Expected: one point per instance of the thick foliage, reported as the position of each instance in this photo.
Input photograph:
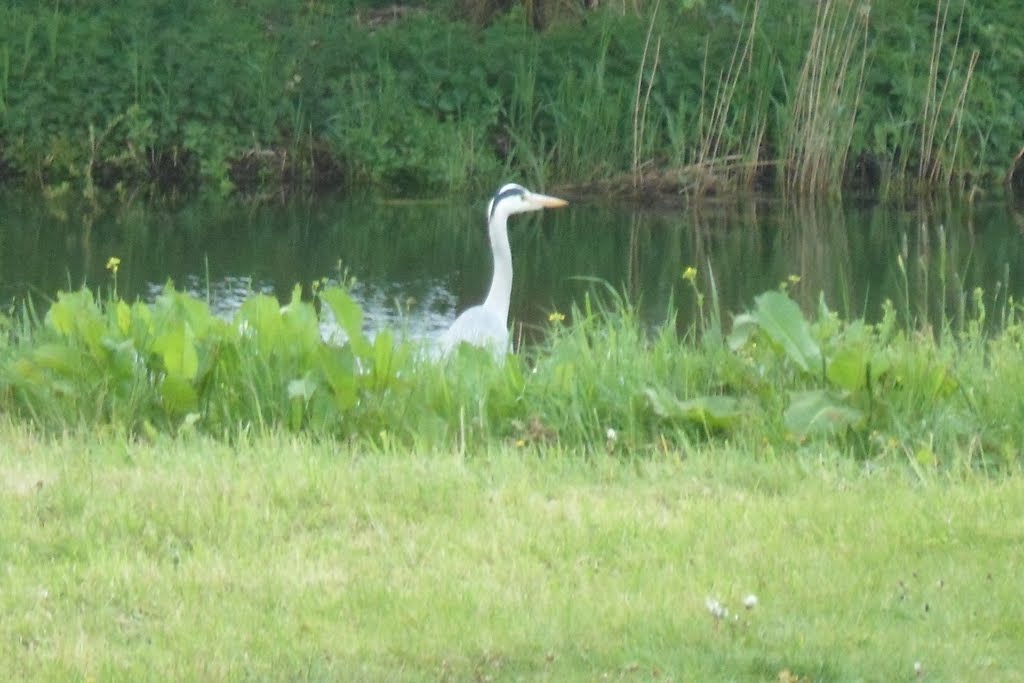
(258, 95)
(601, 382)
(174, 363)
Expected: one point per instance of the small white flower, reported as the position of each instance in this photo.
(750, 602)
(612, 434)
(918, 668)
(717, 609)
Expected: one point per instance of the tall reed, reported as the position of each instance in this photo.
(717, 150)
(824, 106)
(941, 119)
(640, 106)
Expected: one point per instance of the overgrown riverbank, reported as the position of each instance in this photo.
(687, 98)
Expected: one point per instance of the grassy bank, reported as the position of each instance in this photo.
(282, 558)
(784, 495)
(688, 98)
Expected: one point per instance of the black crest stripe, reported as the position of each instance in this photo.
(503, 195)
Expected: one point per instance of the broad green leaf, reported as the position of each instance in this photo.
(122, 358)
(178, 395)
(59, 358)
(301, 326)
(76, 316)
(93, 331)
(820, 412)
(63, 314)
(142, 326)
(848, 368)
(339, 368)
(173, 306)
(851, 366)
(177, 349)
(260, 316)
(744, 326)
(879, 365)
(349, 316)
(719, 412)
(123, 314)
(384, 358)
(302, 388)
(781, 320)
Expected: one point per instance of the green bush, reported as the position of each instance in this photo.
(228, 95)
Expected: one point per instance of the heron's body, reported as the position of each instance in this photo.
(486, 325)
(478, 326)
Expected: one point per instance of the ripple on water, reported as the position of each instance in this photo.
(417, 310)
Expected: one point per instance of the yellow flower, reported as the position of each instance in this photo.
(793, 279)
(690, 274)
(555, 317)
(113, 263)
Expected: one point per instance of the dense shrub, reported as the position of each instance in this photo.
(257, 95)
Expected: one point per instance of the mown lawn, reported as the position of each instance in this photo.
(282, 558)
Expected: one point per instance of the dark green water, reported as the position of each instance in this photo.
(418, 264)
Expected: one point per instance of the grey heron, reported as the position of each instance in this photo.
(486, 324)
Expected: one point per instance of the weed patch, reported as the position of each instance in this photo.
(600, 382)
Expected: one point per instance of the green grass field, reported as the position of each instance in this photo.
(286, 558)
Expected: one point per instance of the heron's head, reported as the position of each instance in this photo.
(514, 198)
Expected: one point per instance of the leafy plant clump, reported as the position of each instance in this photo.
(173, 363)
(778, 381)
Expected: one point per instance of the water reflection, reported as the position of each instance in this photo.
(416, 264)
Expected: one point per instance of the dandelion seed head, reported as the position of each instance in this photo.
(716, 608)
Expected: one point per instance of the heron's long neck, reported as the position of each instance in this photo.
(501, 285)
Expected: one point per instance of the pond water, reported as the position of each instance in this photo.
(417, 264)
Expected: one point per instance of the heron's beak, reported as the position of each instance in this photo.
(544, 201)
